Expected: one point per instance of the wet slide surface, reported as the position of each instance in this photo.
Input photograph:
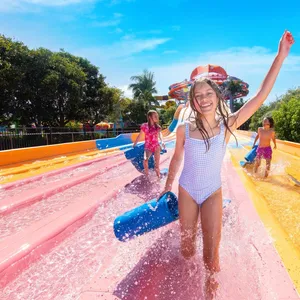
(86, 261)
(279, 190)
(33, 168)
(22, 170)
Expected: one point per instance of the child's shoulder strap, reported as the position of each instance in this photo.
(187, 129)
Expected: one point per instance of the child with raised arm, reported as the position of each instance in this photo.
(202, 142)
(152, 132)
(265, 134)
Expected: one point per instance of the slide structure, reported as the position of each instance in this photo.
(58, 204)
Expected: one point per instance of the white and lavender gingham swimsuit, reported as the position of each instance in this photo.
(201, 174)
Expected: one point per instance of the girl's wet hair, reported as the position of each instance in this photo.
(271, 121)
(150, 113)
(222, 111)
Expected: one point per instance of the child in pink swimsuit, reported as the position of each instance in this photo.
(152, 132)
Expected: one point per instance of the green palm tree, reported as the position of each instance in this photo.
(144, 85)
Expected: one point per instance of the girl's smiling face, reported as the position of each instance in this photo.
(205, 99)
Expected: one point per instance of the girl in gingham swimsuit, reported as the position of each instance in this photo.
(203, 141)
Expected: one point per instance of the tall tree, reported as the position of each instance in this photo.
(52, 88)
(14, 58)
(136, 112)
(66, 85)
(119, 109)
(98, 108)
(287, 116)
(98, 99)
(94, 79)
(144, 87)
(38, 91)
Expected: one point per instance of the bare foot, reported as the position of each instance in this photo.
(157, 173)
(211, 287)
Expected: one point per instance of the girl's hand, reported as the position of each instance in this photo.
(167, 188)
(275, 147)
(285, 44)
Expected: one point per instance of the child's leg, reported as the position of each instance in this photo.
(211, 222)
(147, 155)
(156, 160)
(188, 218)
(268, 167)
(257, 164)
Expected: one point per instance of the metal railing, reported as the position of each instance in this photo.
(23, 137)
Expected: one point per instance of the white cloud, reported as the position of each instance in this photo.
(29, 5)
(123, 48)
(52, 2)
(117, 62)
(248, 64)
(109, 23)
(11, 5)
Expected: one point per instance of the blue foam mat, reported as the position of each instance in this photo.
(136, 156)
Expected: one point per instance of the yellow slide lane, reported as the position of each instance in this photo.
(33, 168)
(276, 199)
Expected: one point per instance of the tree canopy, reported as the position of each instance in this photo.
(50, 88)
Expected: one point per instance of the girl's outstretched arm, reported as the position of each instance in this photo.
(249, 108)
(137, 138)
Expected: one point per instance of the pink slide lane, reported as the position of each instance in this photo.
(98, 184)
(151, 267)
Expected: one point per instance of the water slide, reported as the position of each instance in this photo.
(58, 204)
(23, 163)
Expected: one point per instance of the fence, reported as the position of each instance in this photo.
(23, 137)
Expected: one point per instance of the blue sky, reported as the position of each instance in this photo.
(170, 38)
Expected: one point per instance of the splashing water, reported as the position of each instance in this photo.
(24, 217)
(148, 267)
